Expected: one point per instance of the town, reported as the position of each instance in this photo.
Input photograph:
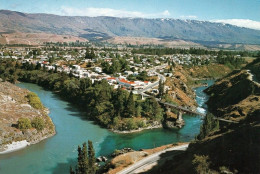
(120, 67)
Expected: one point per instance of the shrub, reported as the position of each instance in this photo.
(201, 164)
(140, 123)
(34, 100)
(131, 124)
(38, 123)
(24, 123)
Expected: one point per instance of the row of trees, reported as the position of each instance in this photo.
(195, 51)
(230, 60)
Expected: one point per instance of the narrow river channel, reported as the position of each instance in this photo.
(55, 154)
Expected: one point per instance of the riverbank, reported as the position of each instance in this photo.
(122, 162)
(137, 130)
(23, 118)
(14, 146)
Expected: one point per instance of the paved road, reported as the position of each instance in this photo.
(161, 77)
(154, 158)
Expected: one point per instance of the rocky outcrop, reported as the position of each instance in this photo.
(172, 121)
(235, 96)
(14, 106)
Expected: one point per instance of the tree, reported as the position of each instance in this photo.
(24, 123)
(91, 158)
(90, 54)
(209, 125)
(161, 89)
(130, 106)
(115, 67)
(86, 160)
(142, 76)
(201, 164)
(38, 123)
(38, 66)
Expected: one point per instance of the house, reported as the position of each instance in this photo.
(111, 80)
(125, 83)
(75, 67)
(128, 72)
(98, 69)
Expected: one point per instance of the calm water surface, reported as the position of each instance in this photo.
(55, 154)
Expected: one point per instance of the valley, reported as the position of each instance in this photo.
(124, 87)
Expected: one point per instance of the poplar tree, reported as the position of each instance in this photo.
(86, 160)
(130, 106)
(91, 158)
(161, 88)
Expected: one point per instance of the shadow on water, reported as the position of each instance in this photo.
(63, 167)
(137, 141)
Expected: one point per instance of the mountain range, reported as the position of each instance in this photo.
(107, 27)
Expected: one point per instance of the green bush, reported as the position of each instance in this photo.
(34, 100)
(201, 164)
(140, 123)
(24, 123)
(38, 123)
(131, 124)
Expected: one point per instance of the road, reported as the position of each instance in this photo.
(161, 77)
(154, 158)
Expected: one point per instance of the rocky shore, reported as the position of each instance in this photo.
(14, 106)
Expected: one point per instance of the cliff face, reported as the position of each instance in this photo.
(15, 107)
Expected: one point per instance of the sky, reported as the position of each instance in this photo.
(244, 13)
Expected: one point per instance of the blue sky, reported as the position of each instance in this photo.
(243, 12)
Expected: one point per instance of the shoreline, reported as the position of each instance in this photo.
(136, 130)
(14, 146)
(18, 145)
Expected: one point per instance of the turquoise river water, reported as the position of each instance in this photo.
(56, 154)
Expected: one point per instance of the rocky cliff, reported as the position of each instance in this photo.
(21, 118)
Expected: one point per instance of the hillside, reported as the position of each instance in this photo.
(22, 116)
(37, 38)
(236, 95)
(107, 27)
(226, 147)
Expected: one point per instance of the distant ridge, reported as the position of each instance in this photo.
(107, 27)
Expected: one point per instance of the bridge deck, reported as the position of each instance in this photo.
(182, 108)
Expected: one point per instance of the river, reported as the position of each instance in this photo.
(55, 154)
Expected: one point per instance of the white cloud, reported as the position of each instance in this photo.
(189, 17)
(70, 11)
(241, 23)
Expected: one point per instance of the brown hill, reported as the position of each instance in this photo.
(37, 38)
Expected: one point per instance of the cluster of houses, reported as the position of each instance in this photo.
(95, 72)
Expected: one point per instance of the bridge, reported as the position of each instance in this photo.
(225, 120)
(181, 109)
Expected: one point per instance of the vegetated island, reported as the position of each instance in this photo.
(23, 118)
